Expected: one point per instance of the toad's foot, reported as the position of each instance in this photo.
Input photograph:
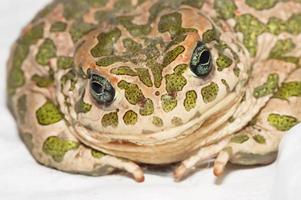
(127, 166)
(250, 147)
(204, 154)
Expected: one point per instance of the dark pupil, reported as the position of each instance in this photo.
(201, 61)
(97, 88)
(205, 57)
(101, 90)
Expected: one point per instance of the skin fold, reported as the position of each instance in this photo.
(103, 85)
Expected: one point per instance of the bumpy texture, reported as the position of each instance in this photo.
(99, 85)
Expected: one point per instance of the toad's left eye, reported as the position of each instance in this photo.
(101, 89)
(201, 61)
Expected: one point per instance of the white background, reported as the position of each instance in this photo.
(22, 178)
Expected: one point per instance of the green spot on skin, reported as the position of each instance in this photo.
(106, 41)
(157, 121)
(261, 4)
(123, 70)
(222, 46)
(132, 92)
(281, 48)
(46, 51)
(70, 76)
(172, 23)
(176, 121)
(211, 35)
(156, 70)
(97, 154)
(131, 45)
(57, 147)
(276, 26)
(193, 3)
(293, 25)
(78, 29)
(289, 89)
(176, 40)
(175, 82)
(259, 139)
(96, 3)
(190, 100)
(168, 102)
(134, 29)
(130, 118)
(269, 87)
(225, 9)
(123, 5)
(223, 62)
(64, 62)
(33, 35)
(102, 16)
(75, 9)
(42, 81)
(16, 77)
(253, 121)
(172, 55)
(107, 61)
(82, 107)
(155, 10)
(147, 108)
(282, 122)
(231, 119)
(210, 92)
(236, 71)
(251, 28)
(48, 114)
(22, 107)
(110, 119)
(144, 76)
(58, 27)
(240, 139)
(226, 85)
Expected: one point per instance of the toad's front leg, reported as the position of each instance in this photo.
(258, 142)
(49, 138)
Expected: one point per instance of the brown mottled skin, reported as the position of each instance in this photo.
(99, 85)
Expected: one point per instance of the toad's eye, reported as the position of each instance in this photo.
(101, 89)
(201, 64)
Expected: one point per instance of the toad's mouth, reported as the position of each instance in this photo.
(167, 146)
